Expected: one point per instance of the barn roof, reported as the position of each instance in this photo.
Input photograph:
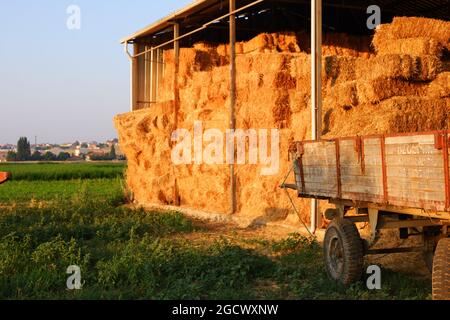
(201, 11)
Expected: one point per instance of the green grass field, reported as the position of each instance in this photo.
(47, 225)
(63, 171)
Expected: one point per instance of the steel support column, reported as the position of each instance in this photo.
(316, 88)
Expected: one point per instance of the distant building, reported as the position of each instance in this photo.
(93, 146)
(58, 150)
(3, 154)
(79, 151)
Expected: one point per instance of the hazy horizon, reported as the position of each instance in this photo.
(64, 85)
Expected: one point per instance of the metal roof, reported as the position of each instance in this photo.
(168, 21)
(205, 10)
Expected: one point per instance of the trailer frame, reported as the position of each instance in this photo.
(427, 218)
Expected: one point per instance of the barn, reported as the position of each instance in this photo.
(274, 71)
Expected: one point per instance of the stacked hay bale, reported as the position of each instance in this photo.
(405, 87)
(401, 86)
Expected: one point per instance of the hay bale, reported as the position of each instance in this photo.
(395, 66)
(350, 94)
(395, 115)
(300, 66)
(278, 62)
(201, 58)
(259, 44)
(244, 63)
(283, 80)
(413, 27)
(203, 46)
(340, 44)
(416, 114)
(374, 91)
(343, 95)
(340, 68)
(299, 101)
(286, 42)
(412, 46)
(427, 68)
(440, 88)
(274, 42)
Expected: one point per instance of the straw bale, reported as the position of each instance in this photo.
(286, 42)
(259, 44)
(340, 68)
(300, 66)
(413, 27)
(440, 88)
(397, 66)
(340, 44)
(395, 115)
(278, 62)
(275, 42)
(415, 114)
(343, 95)
(374, 91)
(244, 63)
(412, 46)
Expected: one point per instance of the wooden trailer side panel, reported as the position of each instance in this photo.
(415, 172)
(361, 169)
(409, 170)
(319, 169)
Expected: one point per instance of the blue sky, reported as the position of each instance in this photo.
(64, 85)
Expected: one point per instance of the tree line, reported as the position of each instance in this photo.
(23, 153)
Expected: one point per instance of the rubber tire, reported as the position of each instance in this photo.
(441, 271)
(347, 234)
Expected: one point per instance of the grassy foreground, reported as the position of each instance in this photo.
(134, 254)
(63, 171)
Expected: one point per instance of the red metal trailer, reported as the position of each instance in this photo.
(398, 181)
(4, 176)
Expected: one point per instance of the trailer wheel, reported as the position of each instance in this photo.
(431, 237)
(343, 251)
(441, 271)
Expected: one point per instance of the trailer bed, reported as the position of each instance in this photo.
(401, 170)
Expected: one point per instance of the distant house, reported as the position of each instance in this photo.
(79, 151)
(3, 154)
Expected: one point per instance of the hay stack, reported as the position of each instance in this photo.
(411, 27)
(403, 91)
(412, 46)
(374, 91)
(440, 88)
(259, 44)
(340, 69)
(343, 95)
(395, 115)
(350, 94)
(274, 42)
(397, 66)
(339, 44)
